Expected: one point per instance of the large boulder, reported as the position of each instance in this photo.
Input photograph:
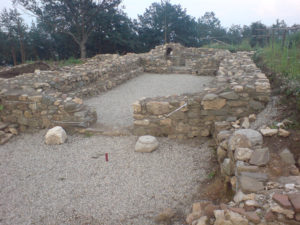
(245, 138)
(146, 144)
(56, 136)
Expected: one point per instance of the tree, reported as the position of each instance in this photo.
(235, 34)
(75, 18)
(163, 23)
(14, 26)
(258, 34)
(209, 27)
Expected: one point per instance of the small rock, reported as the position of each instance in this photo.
(202, 220)
(209, 209)
(221, 154)
(5, 138)
(239, 196)
(289, 180)
(78, 101)
(165, 216)
(252, 203)
(287, 157)
(287, 212)
(246, 123)
(295, 200)
(236, 218)
(283, 133)
(269, 216)
(3, 125)
(245, 138)
(253, 217)
(196, 207)
(249, 185)
(227, 167)
(243, 154)
(252, 117)
(56, 136)
(268, 132)
(282, 200)
(294, 170)
(263, 177)
(146, 144)
(192, 217)
(260, 157)
(13, 130)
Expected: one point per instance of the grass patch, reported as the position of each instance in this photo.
(244, 46)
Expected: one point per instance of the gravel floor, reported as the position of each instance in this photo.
(114, 107)
(72, 183)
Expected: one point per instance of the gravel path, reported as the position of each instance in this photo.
(114, 107)
(72, 183)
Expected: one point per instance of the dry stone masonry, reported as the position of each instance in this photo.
(240, 89)
(45, 99)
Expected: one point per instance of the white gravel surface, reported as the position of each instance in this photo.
(72, 183)
(114, 107)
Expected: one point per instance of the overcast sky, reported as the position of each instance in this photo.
(228, 11)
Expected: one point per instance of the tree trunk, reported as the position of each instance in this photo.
(13, 53)
(22, 50)
(82, 49)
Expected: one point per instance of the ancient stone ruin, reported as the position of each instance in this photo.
(49, 98)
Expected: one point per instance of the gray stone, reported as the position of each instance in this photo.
(146, 144)
(3, 125)
(260, 157)
(289, 180)
(257, 176)
(245, 138)
(243, 154)
(229, 95)
(287, 157)
(227, 167)
(256, 105)
(210, 97)
(250, 185)
(56, 136)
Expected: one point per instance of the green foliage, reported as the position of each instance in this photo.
(243, 46)
(70, 61)
(211, 175)
(285, 61)
(1, 107)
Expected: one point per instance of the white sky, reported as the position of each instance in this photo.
(230, 12)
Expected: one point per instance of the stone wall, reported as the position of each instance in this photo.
(47, 98)
(239, 90)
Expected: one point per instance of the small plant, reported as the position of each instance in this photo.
(88, 134)
(1, 107)
(211, 175)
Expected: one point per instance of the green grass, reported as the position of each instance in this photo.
(244, 46)
(284, 61)
(1, 107)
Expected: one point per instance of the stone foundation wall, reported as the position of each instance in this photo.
(239, 90)
(47, 98)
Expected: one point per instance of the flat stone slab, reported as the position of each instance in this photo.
(146, 144)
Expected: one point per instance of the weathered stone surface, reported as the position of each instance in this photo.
(5, 138)
(146, 144)
(268, 132)
(282, 200)
(245, 138)
(283, 133)
(263, 177)
(227, 167)
(287, 212)
(260, 157)
(295, 200)
(287, 157)
(236, 218)
(253, 217)
(137, 108)
(246, 123)
(289, 180)
(229, 95)
(212, 101)
(158, 108)
(56, 136)
(202, 220)
(243, 154)
(221, 154)
(165, 216)
(249, 185)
